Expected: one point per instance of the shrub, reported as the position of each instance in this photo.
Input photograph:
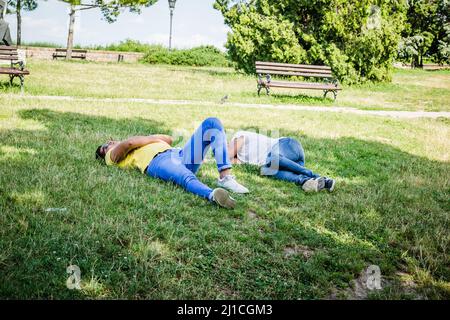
(358, 40)
(199, 56)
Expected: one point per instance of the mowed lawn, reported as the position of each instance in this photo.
(138, 238)
(415, 90)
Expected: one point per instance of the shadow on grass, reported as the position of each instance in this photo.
(6, 87)
(135, 237)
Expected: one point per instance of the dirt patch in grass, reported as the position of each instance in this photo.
(296, 250)
(252, 215)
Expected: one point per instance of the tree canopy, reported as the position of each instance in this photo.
(111, 8)
(358, 39)
(425, 33)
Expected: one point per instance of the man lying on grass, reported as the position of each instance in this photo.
(282, 158)
(154, 156)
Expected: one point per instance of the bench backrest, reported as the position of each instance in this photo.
(73, 50)
(8, 53)
(286, 69)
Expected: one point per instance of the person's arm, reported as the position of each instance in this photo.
(123, 148)
(164, 137)
(233, 148)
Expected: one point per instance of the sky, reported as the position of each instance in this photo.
(195, 23)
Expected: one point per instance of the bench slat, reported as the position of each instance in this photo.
(2, 47)
(73, 50)
(73, 56)
(13, 58)
(299, 74)
(303, 85)
(305, 70)
(13, 71)
(306, 66)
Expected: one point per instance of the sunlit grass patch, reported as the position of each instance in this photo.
(139, 238)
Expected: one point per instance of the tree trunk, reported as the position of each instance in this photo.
(19, 22)
(70, 35)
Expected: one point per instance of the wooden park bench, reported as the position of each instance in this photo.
(16, 68)
(265, 70)
(76, 53)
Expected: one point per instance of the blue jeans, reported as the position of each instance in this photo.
(286, 162)
(180, 165)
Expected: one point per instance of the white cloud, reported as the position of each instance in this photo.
(44, 28)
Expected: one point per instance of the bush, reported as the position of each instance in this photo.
(199, 56)
(158, 54)
(358, 40)
(128, 45)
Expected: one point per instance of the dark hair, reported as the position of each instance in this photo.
(98, 153)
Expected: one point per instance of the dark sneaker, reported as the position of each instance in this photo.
(222, 198)
(329, 184)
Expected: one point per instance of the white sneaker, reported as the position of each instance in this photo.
(229, 182)
(222, 198)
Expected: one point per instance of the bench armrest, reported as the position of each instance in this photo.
(268, 78)
(333, 80)
(19, 63)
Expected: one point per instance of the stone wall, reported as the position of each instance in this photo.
(92, 55)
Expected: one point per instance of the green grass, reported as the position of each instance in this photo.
(411, 89)
(136, 237)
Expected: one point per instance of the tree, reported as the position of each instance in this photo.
(426, 20)
(413, 48)
(444, 46)
(357, 39)
(16, 6)
(109, 8)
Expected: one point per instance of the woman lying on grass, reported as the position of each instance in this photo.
(282, 158)
(154, 156)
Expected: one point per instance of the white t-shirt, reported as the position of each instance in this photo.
(255, 148)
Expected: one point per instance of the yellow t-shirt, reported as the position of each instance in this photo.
(138, 158)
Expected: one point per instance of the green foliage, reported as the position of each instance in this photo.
(357, 39)
(111, 8)
(413, 48)
(18, 5)
(199, 56)
(127, 45)
(444, 45)
(425, 32)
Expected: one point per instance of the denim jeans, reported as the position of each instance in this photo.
(180, 165)
(286, 162)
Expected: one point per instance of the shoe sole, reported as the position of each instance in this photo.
(230, 190)
(311, 186)
(223, 199)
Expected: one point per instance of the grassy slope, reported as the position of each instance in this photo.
(135, 237)
(145, 239)
(410, 90)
